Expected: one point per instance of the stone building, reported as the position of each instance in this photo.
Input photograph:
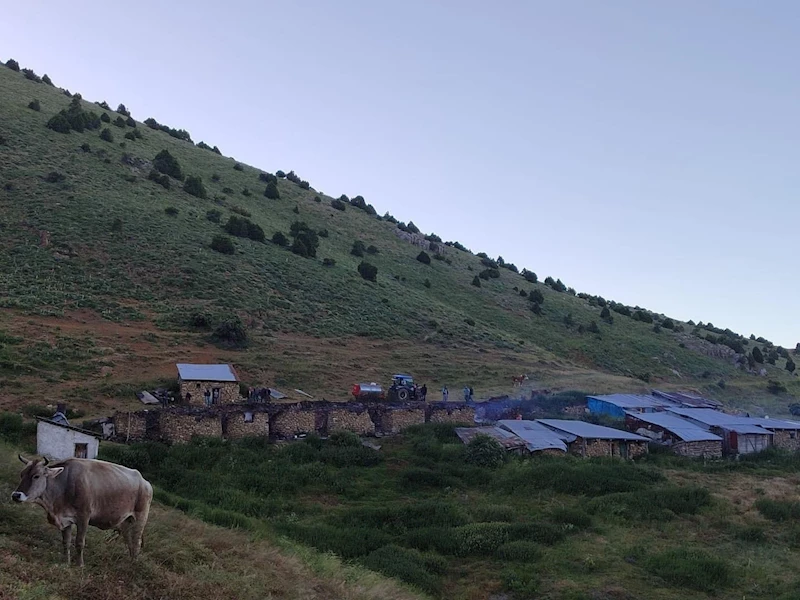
(680, 435)
(58, 441)
(740, 434)
(589, 440)
(208, 385)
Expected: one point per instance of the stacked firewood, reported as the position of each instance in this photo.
(292, 421)
(359, 422)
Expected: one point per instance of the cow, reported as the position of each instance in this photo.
(518, 379)
(84, 492)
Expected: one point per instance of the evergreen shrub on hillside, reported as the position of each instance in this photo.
(46, 80)
(214, 215)
(104, 105)
(119, 122)
(280, 239)
(338, 205)
(171, 211)
(305, 240)
(86, 147)
(130, 122)
(368, 271)
(12, 64)
(194, 186)
(328, 262)
(476, 281)
(238, 166)
(165, 163)
(267, 178)
(34, 105)
(231, 331)
(271, 191)
(358, 248)
(31, 75)
(424, 258)
(222, 244)
(123, 111)
(105, 118)
(54, 177)
(244, 228)
(162, 180)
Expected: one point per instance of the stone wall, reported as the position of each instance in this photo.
(594, 448)
(292, 421)
(452, 414)
(236, 425)
(181, 427)
(636, 449)
(396, 420)
(130, 426)
(357, 421)
(787, 439)
(228, 391)
(705, 449)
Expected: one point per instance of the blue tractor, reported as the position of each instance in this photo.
(403, 388)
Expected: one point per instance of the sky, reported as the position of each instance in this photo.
(647, 152)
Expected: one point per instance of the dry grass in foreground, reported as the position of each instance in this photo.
(182, 559)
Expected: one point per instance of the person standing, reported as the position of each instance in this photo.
(445, 393)
(466, 393)
(423, 392)
(207, 397)
(471, 393)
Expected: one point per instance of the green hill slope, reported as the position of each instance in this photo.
(86, 235)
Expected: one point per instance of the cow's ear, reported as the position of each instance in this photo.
(23, 460)
(54, 471)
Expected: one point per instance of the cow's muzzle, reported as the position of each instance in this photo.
(18, 497)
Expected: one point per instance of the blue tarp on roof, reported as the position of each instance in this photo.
(190, 372)
(682, 428)
(582, 429)
(536, 436)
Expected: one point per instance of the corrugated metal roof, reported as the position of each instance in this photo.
(710, 416)
(536, 436)
(583, 429)
(685, 430)
(747, 429)
(189, 372)
(506, 438)
(633, 401)
(775, 423)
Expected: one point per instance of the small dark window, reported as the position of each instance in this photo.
(248, 417)
(81, 450)
(792, 434)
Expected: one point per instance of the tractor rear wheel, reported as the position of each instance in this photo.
(402, 395)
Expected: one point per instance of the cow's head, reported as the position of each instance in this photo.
(33, 479)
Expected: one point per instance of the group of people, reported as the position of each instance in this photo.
(259, 395)
(468, 393)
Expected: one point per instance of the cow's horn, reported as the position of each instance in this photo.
(45, 461)
(23, 460)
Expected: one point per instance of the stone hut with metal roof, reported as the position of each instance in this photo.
(680, 435)
(208, 385)
(589, 440)
(740, 434)
(537, 438)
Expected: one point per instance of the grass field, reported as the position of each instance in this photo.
(183, 559)
(88, 240)
(663, 528)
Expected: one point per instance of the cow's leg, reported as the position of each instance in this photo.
(66, 539)
(80, 540)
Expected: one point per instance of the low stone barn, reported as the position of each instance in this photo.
(59, 441)
(785, 434)
(680, 435)
(207, 385)
(740, 434)
(590, 440)
(505, 438)
(536, 437)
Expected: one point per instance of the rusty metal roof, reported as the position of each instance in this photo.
(507, 439)
(682, 428)
(536, 436)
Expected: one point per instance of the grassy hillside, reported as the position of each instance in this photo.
(108, 278)
(547, 528)
(183, 558)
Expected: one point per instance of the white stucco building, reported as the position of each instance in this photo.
(58, 441)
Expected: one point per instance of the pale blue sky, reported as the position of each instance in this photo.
(645, 151)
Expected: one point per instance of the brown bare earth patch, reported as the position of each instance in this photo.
(132, 355)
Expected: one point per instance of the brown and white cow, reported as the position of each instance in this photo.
(517, 380)
(87, 492)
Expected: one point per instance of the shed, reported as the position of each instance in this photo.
(615, 405)
(592, 440)
(740, 434)
(508, 440)
(59, 441)
(680, 435)
(687, 400)
(786, 434)
(208, 384)
(537, 437)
